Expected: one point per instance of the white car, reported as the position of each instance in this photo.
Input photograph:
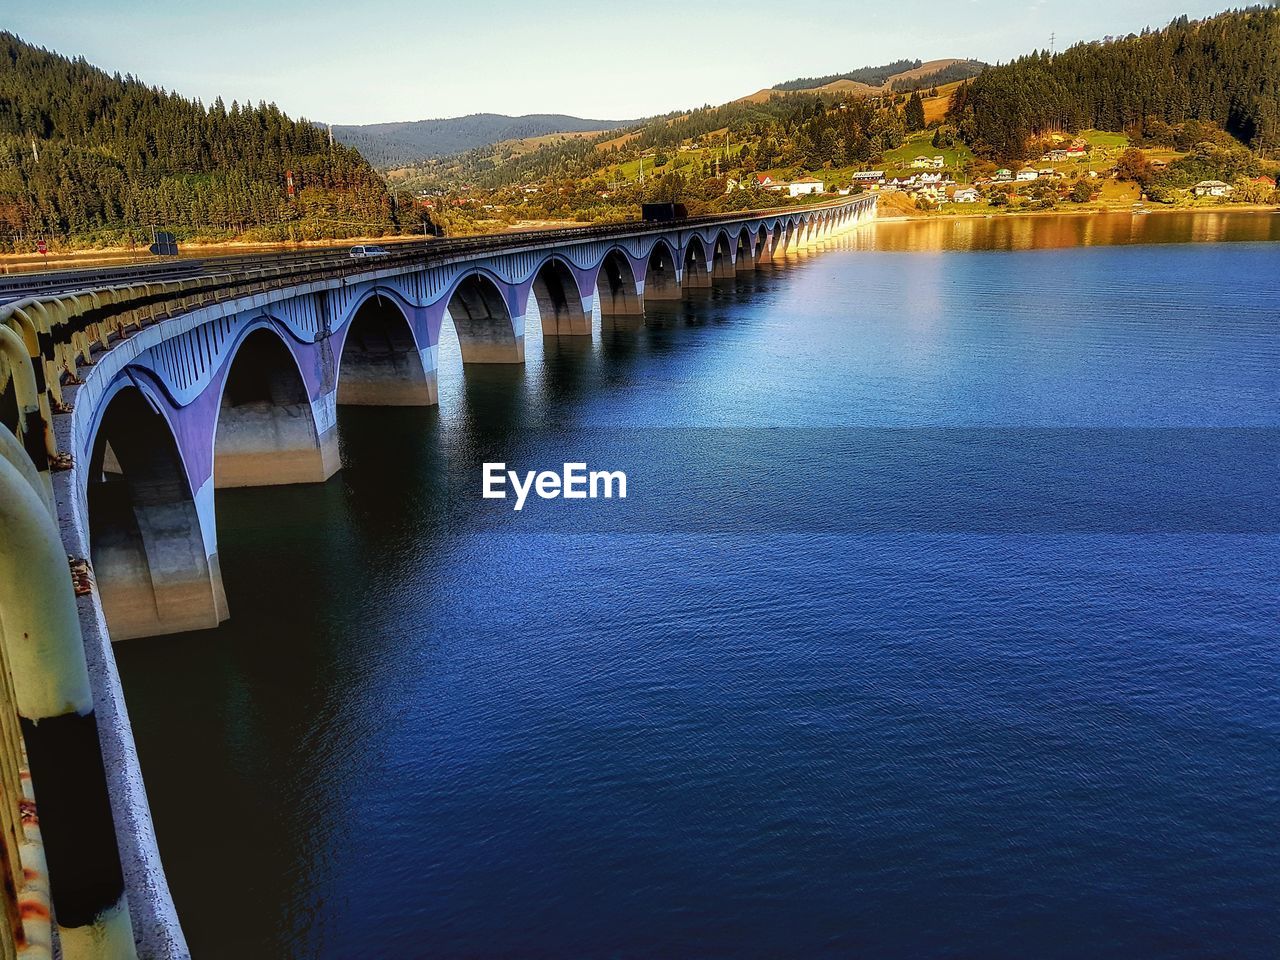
(369, 250)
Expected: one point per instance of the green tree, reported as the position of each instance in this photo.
(913, 113)
(1081, 191)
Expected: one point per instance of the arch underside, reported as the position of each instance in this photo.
(153, 571)
(266, 432)
(617, 288)
(661, 282)
(697, 269)
(487, 333)
(381, 365)
(559, 300)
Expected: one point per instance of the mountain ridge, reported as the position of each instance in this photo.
(404, 142)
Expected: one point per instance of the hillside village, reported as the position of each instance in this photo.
(928, 174)
(1123, 123)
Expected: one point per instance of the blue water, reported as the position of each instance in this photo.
(940, 621)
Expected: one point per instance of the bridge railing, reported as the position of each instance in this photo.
(61, 331)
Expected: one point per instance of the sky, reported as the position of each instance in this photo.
(372, 61)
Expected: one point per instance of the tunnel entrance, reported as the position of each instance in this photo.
(153, 570)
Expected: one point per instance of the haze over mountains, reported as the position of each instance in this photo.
(389, 145)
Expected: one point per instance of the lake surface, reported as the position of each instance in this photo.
(940, 620)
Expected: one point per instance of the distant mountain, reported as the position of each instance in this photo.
(388, 145)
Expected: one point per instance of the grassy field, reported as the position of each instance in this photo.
(686, 161)
(918, 145)
(935, 108)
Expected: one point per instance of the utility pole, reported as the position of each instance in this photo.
(1052, 41)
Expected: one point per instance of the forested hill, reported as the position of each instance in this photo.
(872, 76)
(1224, 70)
(87, 157)
(400, 144)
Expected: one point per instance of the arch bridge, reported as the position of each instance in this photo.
(128, 396)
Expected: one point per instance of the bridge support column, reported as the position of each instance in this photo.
(155, 573)
(697, 275)
(265, 446)
(662, 289)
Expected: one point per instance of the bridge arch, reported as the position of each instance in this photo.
(266, 432)
(697, 268)
(487, 332)
(616, 285)
(661, 280)
(805, 236)
(379, 361)
(560, 300)
(795, 236)
(722, 267)
(745, 255)
(154, 568)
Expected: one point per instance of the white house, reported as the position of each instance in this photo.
(806, 185)
(922, 162)
(965, 195)
(1027, 174)
(1212, 188)
(1003, 175)
(869, 176)
(937, 163)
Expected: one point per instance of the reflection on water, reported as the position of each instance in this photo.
(1001, 232)
(421, 735)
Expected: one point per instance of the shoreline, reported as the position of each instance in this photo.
(996, 214)
(29, 262)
